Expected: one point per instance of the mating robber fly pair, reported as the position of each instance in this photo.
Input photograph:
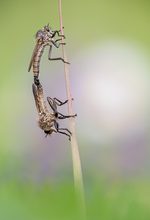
(47, 120)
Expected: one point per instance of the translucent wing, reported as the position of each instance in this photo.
(36, 98)
(33, 54)
(52, 104)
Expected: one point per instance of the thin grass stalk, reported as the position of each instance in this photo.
(77, 170)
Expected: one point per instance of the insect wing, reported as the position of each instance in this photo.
(36, 97)
(52, 104)
(33, 55)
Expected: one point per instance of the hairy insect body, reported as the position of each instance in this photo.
(37, 58)
(44, 37)
(47, 120)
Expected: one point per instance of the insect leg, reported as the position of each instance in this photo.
(58, 58)
(58, 45)
(59, 130)
(65, 116)
(58, 33)
(59, 40)
(58, 102)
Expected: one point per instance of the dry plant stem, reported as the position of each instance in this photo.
(77, 170)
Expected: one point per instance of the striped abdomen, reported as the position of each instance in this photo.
(37, 58)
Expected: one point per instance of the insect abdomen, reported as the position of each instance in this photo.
(37, 59)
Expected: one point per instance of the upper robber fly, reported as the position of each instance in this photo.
(44, 37)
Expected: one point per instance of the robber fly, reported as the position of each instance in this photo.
(48, 120)
(44, 37)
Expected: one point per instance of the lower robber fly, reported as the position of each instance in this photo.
(47, 120)
(44, 37)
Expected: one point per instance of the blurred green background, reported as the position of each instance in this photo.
(108, 44)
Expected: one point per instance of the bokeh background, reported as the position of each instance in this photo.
(108, 44)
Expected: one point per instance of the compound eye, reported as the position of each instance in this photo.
(39, 34)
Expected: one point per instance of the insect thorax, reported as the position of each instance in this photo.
(44, 35)
(46, 121)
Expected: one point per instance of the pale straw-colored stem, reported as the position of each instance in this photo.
(77, 170)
